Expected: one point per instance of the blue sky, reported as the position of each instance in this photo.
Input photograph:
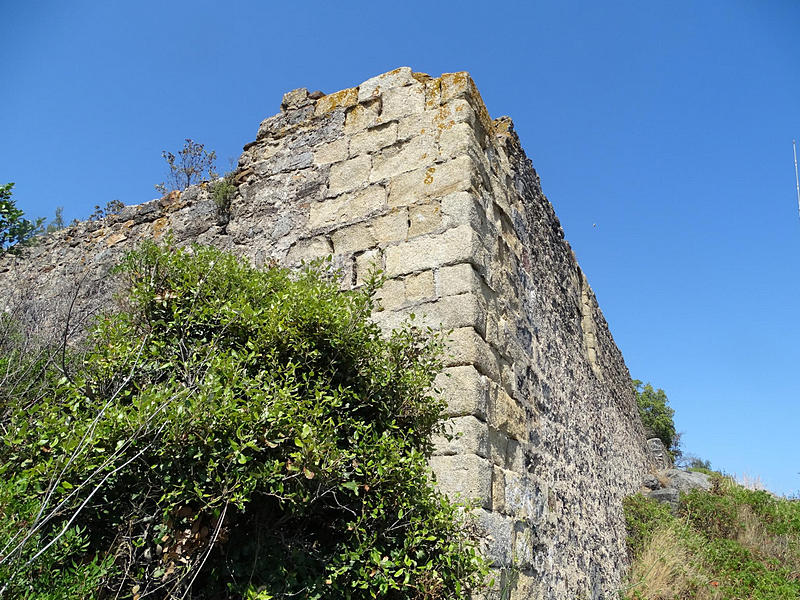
(668, 125)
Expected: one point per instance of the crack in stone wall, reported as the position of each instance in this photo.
(409, 174)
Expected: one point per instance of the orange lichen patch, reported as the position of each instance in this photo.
(343, 98)
(455, 85)
(159, 225)
(441, 119)
(433, 93)
(503, 127)
(429, 175)
(172, 202)
(422, 77)
(362, 116)
(461, 85)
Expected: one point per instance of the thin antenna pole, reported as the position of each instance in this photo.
(796, 178)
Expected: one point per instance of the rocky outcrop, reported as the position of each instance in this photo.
(409, 173)
(668, 485)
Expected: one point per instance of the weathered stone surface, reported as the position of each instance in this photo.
(453, 246)
(668, 495)
(651, 482)
(659, 452)
(376, 86)
(685, 481)
(349, 175)
(374, 139)
(466, 391)
(347, 207)
(331, 152)
(409, 173)
(465, 476)
(341, 99)
(463, 435)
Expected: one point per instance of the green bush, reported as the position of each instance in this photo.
(222, 192)
(642, 517)
(657, 416)
(233, 433)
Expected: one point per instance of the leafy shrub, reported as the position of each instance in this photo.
(642, 517)
(715, 515)
(222, 192)
(233, 433)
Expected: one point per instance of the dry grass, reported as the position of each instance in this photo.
(749, 482)
(662, 478)
(666, 570)
(753, 535)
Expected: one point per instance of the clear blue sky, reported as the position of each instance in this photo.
(667, 124)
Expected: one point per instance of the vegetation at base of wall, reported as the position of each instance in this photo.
(231, 433)
(15, 230)
(657, 416)
(727, 543)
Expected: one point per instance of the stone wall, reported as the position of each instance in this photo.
(409, 173)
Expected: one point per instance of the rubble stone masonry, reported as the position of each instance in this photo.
(410, 174)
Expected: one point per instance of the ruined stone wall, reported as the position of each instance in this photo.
(409, 173)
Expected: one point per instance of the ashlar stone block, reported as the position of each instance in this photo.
(391, 296)
(347, 207)
(456, 245)
(379, 84)
(331, 152)
(458, 139)
(310, 249)
(349, 175)
(466, 391)
(433, 182)
(367, 262)
(464, 476)
(459, 279)
(340, 99)
(447, 313)
(434, 122)
(467, 347)
(497, 538)
(506, 414)
(415, 154)
(467, 435)
(373, 139)
(379, 231)
(424, 219)
(403, 101)
(361, 116)
(420, 286)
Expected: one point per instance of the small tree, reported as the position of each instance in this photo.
(57, 224)
(192, 164)
(15, 231)
(657, 415)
